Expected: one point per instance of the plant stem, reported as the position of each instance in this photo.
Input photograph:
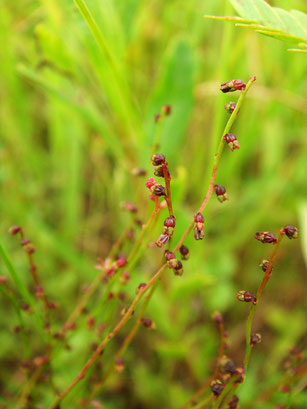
(252, 311)
(157, 275)
(125, 343)
(196, 395)
(168, 196)
(203, 402)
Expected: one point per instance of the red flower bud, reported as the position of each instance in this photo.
(231, 141)
(233, 404)
(150, 183)
(264, 265)
(166, 109)
(266, 237)
(119, 366)
(14, 230)
(169, 255)
(246, 296)
(290, 231)
(159, 171)
(199, 226)
(170, 221)
(217, 317)
(158, 159)
(217, 387)
(130, 207)
(230, 107)
(255, 339)
(121, 262)
(158, 190)
(233, 85)
(157, 117)
(138, 172)
(221, 193)
(141, 286)
(185, 253)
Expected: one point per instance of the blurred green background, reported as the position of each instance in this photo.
(75, 121)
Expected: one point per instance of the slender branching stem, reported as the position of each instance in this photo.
(266, 277)
(157, 275)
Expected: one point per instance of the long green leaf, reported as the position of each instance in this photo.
(288, 26)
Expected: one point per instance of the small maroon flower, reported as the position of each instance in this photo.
(138, 172)
(158, 159)
(255, 339)
(221, 193)
(148, 323)
(141, 286)
(264, 264)
(150, 183)
(266, 237)
(119, 365)
(167, 109)
(290, 231)
(230, 107)
(130, 207)
(159, 171)
(3, 279)
(185, 252)
(170, 222)
(227, 365)
(162, 240)
(217, 317)
(246, 296)
(25, 242)
(233, 85)
(216, 387)
(157, 117)
(231, 141)
(169, 255)
(233, 404)
(121, 262)
(199, 226)
(159, 190)
(14, 230)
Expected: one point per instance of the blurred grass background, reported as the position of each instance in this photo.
(75, 121)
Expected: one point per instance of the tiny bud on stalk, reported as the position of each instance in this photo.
(246, 296)
(167, 109)
(266, 237)
(233, 404)
(185, 252)
(216, 387)
(158, 159)
(221, 193)
(231, 141)
(199, 226)
(290, 231)
(233, 85)
(255, 339)
(264, 265)
(230, 107)
(14, 230)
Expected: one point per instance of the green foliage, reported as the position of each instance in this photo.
(80, 83)
(288, 26)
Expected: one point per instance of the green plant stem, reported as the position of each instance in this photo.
(203, 402)
(266, 277)
(125, 343)
(22, 401)
(224, 393)
(157, 275)
(197, 395)
(22, 289)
